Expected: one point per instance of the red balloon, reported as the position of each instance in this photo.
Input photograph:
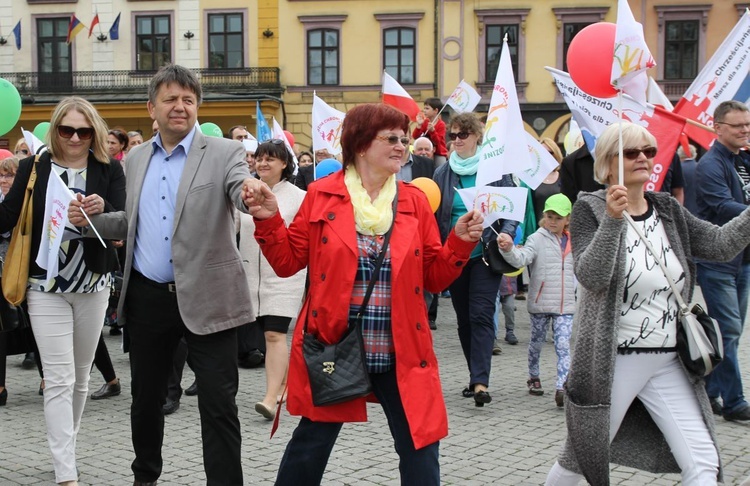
(5, 154)
(289, 138)
(590, 57)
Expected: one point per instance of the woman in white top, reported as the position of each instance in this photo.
(275, 301)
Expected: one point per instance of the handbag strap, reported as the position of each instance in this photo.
(376, 269)
(677, 295)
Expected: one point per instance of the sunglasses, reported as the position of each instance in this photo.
(394, 139)
(633, 153)
(22, 152)
(461, 135)
(84, 133)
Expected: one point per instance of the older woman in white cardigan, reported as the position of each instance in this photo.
(275, 301)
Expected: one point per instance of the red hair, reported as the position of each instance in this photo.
(362, 124)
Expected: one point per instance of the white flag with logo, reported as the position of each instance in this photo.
(504, 148)
(496, 202)
(631, 55)
(464, 98)
(326, 126)
(56, 206)
(542, 163)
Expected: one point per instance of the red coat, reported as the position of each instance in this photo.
(323, 238)
(436, 136)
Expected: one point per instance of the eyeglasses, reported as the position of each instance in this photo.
(394, 139)
(633, 153)
(461, 135)
(734, 125)
(7, 176)
(84, 133)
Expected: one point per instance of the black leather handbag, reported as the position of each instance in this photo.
(338, 372)
(493, 259)
(12, 318)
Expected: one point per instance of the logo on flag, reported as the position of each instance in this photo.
(464, 98)
(542, 163)
(326, 126)
(631, 55)
(496, 202)
(56, 206)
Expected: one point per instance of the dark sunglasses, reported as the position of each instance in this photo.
(22, 151)
(394, 139)
(633, 153)
(461, 135)
(84, 133)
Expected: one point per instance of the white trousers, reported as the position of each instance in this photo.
(659, 381)
(66, 328)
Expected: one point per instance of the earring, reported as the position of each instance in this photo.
(362, 154)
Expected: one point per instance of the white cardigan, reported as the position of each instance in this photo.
(271, 295)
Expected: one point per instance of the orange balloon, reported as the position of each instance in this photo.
(431, 190)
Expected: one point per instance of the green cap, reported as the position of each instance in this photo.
(558, 203)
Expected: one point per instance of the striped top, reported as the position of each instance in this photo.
(73, 275)
(376, 322)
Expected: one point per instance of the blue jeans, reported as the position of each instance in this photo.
(727, 298)
(306, 454)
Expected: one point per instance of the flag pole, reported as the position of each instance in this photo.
(620, 171)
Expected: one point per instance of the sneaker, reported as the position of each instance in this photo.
(715, 406)
(535, 386)
(560, 398)
(510, 337)
(496, 348)
(521, 296)
(741, 415)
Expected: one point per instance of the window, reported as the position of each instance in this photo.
(153, 40)
(494, 46)
(681, 49)
(225, 41)
(322, 35)
(569, 31)
(53, 54)
(323, 56)
(399, 54)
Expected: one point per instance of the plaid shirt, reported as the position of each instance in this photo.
(376, 321)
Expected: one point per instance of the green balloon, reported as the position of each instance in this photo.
(10, 101)
(211, 130)
(40, 131)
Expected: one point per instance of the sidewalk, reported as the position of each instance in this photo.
(512, 441)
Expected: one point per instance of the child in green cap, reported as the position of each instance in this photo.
(551, 297)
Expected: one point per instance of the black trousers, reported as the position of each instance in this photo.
(155, 327)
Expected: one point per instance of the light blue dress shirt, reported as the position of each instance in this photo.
(152, 255)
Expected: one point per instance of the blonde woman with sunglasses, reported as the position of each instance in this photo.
(67, 307)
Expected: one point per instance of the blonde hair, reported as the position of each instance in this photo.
(543, 222)
(607, 146)
(98, 141)
(9, 165)
(550, 144)
(21, 143)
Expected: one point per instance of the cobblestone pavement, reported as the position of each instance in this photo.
(512, 441)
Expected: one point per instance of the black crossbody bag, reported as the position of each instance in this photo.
(338, 372)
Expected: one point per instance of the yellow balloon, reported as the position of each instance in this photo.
(431, 190)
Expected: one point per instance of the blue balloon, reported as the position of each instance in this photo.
(326, 167)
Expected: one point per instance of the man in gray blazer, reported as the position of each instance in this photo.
(183, 275)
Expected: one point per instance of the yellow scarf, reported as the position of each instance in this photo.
(370, 217)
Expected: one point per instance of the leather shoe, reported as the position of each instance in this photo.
(741, 415)
(107, 391)
(268, 413)
(169, 408)
(715, 406)
(253, 359)
(433, 325)
(192, 390)
(481, 397)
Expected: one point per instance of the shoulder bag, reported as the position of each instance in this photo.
(699, 343)
(16, 267)
(338, 372)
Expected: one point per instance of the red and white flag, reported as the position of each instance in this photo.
(396, 96)
(726, 76)
(631, 55)
(93, 23)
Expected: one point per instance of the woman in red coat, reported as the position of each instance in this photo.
(338, 233)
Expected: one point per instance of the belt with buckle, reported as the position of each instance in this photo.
(170, 287)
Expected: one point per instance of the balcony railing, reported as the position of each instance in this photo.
(237, 81)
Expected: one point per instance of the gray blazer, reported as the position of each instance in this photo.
(212, 289)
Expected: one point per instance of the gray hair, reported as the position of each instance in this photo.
(726, 107)
(174, 73)
(607, 146)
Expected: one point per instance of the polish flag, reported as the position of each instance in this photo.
(396, 96)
